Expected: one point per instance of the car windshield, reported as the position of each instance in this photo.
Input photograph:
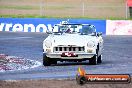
(74, 28)
(87, 29)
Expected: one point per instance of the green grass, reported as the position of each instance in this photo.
(61, 7)
(36, 7)
(22, 16)
(20, 7)
(38, 16)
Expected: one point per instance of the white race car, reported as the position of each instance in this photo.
(73, 42)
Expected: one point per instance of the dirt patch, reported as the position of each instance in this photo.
(57, 84)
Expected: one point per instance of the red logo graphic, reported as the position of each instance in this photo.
(68, 54)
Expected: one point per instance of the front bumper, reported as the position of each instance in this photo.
(79, 55)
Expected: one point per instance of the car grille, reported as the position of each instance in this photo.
(67, 48)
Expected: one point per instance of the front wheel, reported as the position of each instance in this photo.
(93, 61)
(99, 59)
(54, 61)
(46, 61)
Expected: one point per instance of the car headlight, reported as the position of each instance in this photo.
(91, 44)
(48, 43)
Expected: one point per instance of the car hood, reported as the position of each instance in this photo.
(71, 39)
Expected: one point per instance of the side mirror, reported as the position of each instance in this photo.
(93, 34)
(99, 34)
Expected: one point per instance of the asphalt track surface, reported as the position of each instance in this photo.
(117, 57)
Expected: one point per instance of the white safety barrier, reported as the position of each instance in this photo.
(25, 28)
(119, 27)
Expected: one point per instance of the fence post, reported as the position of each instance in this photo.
(41, 8)
(126, 11)
(83, 8)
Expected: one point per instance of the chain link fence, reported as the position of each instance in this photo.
(66, 8)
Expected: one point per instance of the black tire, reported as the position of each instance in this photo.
(99, 59)
(93, 61)
(46, 61)
(81, 80)
(54, 61)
